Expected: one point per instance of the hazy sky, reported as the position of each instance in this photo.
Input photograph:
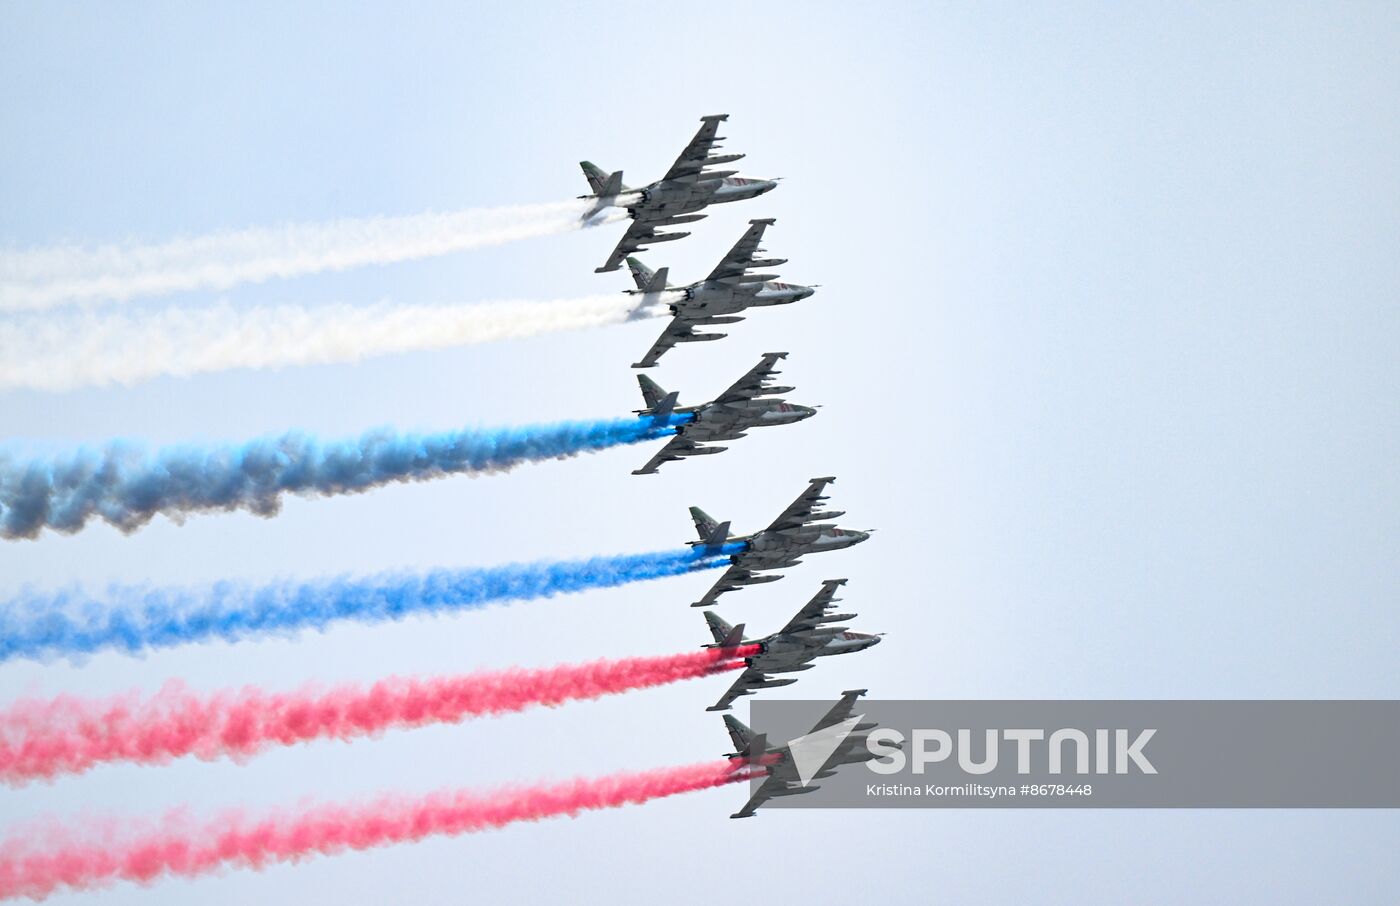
(1105, 342)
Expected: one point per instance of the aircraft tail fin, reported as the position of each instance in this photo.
(712, 533)
(600, 181)
(725, 636)
(651, 391)
(660, 404)
(657, 283)
(641, 274)
(739, 733)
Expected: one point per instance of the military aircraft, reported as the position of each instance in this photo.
(741, 407)
(718, 299)
(836, 739)
(805, 638)
(675, 198)
(794, 533)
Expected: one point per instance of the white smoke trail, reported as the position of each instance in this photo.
(41, 278)
(39, 352)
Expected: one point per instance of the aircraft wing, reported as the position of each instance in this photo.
(840, 712)
(755, 383)
(674, 449)
(726, 582)
(692, 159)
(740, 258)
(741, 685)
(771, 786)
(801, 510)
(678, 331)
(811, 614)
(640, 231)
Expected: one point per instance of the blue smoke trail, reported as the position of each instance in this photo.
(135, 618)
(127, 488)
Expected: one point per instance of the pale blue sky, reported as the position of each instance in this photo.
(1106, 344)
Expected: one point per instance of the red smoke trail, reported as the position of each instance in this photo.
(67, 735)
(70, 859)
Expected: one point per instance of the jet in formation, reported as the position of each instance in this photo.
(728, 289)
(674, 199)
(746, 404)
(838, 738)
(795, 533)
(806, 637)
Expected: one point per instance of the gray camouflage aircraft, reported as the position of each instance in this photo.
(793, 534)
(727, 417)
(718, 299)
(806, 637)
(675, 198)
(836, 739)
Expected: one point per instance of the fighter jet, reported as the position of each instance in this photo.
(805, 638)
(718, 299)
(743, 406)
(837, 739)
(794, 533)
(675, 198)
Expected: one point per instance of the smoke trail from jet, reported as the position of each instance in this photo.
(45, 860)
(40, 739)
(41, 278)
(137, 618)
(127, 487)
(57, 353)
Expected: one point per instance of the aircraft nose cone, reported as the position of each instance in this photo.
(806, 291)
(858, 537)
(804, 411)
(768, 186)
(875, 640)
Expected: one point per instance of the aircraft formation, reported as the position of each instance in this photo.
(738, 282)
(127, 487)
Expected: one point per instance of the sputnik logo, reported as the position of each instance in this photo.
(810, 753)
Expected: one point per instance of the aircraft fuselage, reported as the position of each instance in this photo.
(676, 197)
(776, 549)
(729, 421)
